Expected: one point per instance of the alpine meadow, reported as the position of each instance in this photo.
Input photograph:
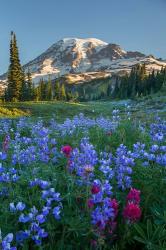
(83, 125)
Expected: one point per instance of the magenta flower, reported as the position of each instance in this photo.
(66, 150)
(90, 203)
(134, 196)
(132, 212)
(5, 144)
(114, 205)
(95, 189)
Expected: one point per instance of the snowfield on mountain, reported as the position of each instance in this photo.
(73, 56)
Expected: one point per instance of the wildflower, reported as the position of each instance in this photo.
(95, 189)
(5, 144)
(89, 169)
(3, 156)
(12, 207)
(154, 148)
(101, 215)
(41, 183)
(132, 212)
(83, 160)
(40, 218)
(42, 233)
(134, 196)
(114, 205)
(19, 207)
(24, 218)
(107, 188)
(123, 168)
(45, 210)
(21, 236)
(90, 203)
(6, 242)
(56, 212)
(66, 150)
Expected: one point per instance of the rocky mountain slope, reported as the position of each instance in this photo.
(85, 59)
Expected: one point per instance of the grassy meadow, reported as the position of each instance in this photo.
(80, 176)
(61, 110)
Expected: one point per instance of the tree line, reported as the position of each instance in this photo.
(53, 90)
(139, 82)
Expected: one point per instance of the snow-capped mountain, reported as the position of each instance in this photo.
(85, 58)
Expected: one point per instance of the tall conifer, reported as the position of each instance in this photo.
(29, 86)
(63, 92)
(15, 73)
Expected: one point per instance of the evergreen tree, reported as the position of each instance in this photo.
(132, 83)
(115, 93)
(69, 96)
(23, 90)
(15, 73)
(109, 89)
(63, 92)
(57, 90)
(37, 96)
(6, 95)
(124, 87)
(75, 96)
(49, 90)
(29, 86)
(152, 82)
(33, 92)
(42, 90)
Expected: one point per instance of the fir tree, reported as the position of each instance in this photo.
(15, 73)
(69, 96)
(29, 86)
(42, 90)
(63, 92)
(33, 92)
(152, 82)
(37, 95)
(49, 90)
(115, 93)
(57, 90)
(23, 90)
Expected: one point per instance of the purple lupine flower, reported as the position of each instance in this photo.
(41, 183)
(56, 212)
(20, 206)
(12, 207)
(41, 218)
(37, 240)
(6, 242)
(46, 210)
(42, 233)
(83, 160)
(107, 188)
(22, 235)
(24, 218)
(154, 148)
(3, 156)
(123, 167)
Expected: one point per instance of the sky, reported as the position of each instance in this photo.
(133, 24)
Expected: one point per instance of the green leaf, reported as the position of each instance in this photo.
(140, 231)
(140, 240)
(149, 229)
